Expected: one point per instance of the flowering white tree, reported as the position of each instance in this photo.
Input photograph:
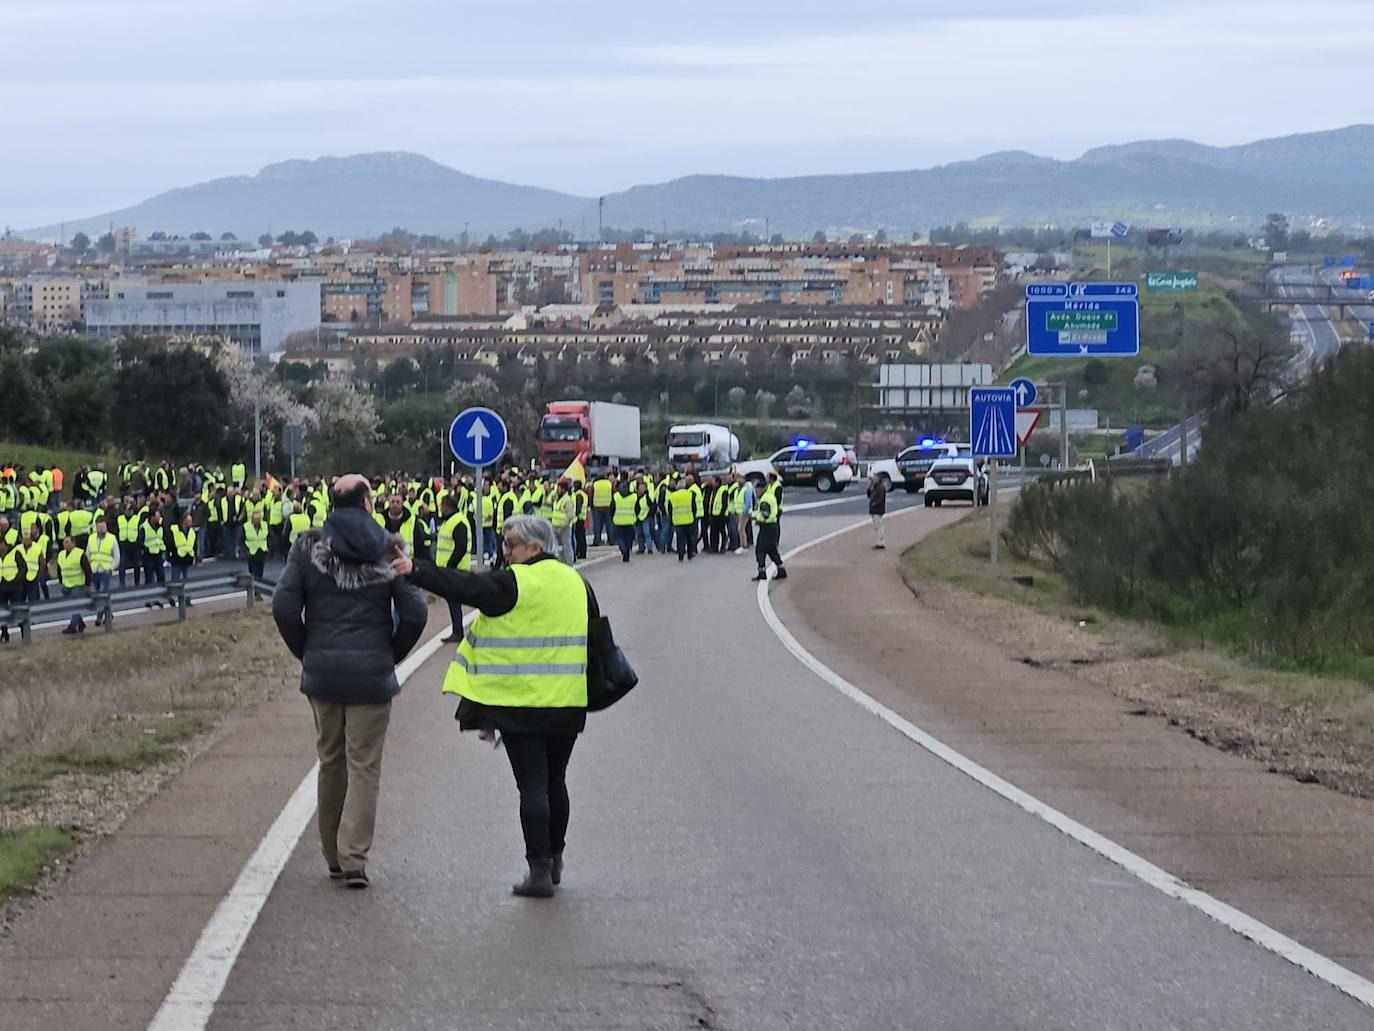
(250, 387)
(344, 426)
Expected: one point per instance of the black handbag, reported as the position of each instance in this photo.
(610, 677)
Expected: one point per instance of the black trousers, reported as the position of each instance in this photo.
(766, 544)
(540, 765)
(686, 540)
(257, 565)
(580, 539)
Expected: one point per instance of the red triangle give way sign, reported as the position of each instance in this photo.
(1026, 420)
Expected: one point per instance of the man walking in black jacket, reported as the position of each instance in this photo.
(343, 573)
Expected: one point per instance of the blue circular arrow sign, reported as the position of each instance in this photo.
(1024, 392)
(477, 437)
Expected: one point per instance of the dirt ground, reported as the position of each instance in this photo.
(1209, 697)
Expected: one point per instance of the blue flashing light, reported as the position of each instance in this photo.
(930, 441)
(802, 443)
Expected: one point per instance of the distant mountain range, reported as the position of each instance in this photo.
(1159, 182)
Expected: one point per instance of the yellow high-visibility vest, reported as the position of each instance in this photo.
(255, 538)
(100, 553)
(184, 541)
(624, 514)
(69, 567)
(535, 656)
(681, 502)
(445, 545)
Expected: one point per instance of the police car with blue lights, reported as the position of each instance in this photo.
(827, 467)
(908, 470)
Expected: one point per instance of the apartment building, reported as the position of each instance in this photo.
(257, 317)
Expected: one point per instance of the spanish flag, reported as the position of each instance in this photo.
(575, 472)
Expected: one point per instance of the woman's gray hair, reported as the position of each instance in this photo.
(531, 529)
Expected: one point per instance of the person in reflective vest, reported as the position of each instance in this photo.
(682, 513)
(602, 492)
(74, 573)
(182, 553)
(521, 672)
(255, 534)
(581, 506)
(644, 514)
(766, 514)
(102, 554)
(562, 512)
(154, 549)
(34, 549)
(127, 525)
(238, 474)
(623, 516)
(13, 581)
(453, 550)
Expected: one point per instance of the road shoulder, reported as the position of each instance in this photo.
(1290, 854)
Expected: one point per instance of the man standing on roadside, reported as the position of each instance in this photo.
(363, 620)
(877, 508)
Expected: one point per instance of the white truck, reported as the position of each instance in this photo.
(708, 447)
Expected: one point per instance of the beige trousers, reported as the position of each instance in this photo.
(349, 741)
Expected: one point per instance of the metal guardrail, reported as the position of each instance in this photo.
(1125, 466)
(104, 604)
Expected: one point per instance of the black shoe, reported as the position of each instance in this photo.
(624, 558)
(782, 575)
(4, 637)
(81, 628)
(538, 883)
(682, 558)
(69, 630)
(336, 873)
(760, 578)
(356, 879)
(557, 871)
(148, 605)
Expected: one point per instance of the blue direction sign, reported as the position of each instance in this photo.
(1120, 229)
(1024, 390)
(992, 421)
(1065, 320)
(477, 437)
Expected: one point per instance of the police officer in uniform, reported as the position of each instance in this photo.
(767, 514)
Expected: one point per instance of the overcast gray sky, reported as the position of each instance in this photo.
(106, 102)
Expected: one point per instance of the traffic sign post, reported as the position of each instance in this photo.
(1025, 392)
(477, 437)
(992, 429)
(1070, 320)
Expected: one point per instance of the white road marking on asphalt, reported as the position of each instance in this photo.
(191, 1000)
(1347, 981)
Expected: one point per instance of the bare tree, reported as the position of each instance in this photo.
(1239, 369)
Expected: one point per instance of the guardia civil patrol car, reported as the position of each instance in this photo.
(908, 470)
(827, 467)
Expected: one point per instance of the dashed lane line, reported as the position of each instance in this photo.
(1335, 975)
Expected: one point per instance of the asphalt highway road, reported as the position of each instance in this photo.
(749, 849)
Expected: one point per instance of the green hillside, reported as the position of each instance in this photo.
(1171, 325)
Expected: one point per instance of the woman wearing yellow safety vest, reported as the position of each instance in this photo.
(521, 671)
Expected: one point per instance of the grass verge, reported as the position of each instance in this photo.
(1326, 710)
(90, 726)
(26, 854)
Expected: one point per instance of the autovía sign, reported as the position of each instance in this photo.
(1170, 281)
